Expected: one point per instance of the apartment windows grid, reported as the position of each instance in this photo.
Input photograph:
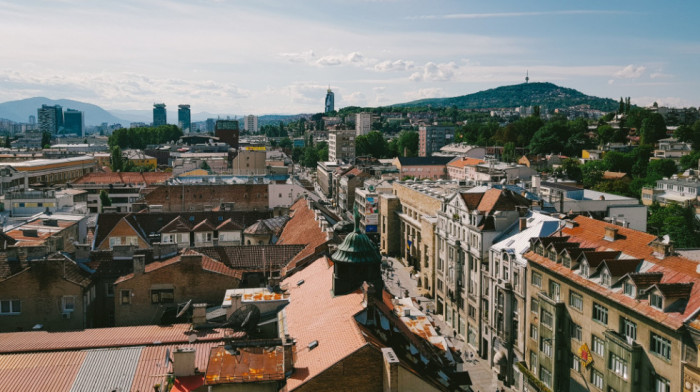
(600, 313)
(576, 331)
(546, 376)
(575, 363)
(618, 366)
(598, 346)
(576, 300)
(597, 379)
(536, 279)
(628, 328)
(660, 346)
(546, 319)
(10, 306)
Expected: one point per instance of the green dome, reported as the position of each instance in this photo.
(356, 248)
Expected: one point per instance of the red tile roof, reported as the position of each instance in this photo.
(302, 228)
(465, 161)
(676, 269)
(247, 364)
(53, 371)
(208, 264)
(130, 178)
(152, 360)
(147, 335)
(314, 314)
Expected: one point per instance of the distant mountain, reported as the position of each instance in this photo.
(20, 111)
(546, 95)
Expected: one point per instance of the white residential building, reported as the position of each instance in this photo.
(363, 123)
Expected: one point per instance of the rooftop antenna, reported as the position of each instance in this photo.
(527, 76)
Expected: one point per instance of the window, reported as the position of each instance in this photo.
(628, 328)
(605, 278)
(547, 319)
(576, 332)
(10, 306)
(661, 385)
(546, 376)
(534, 305)
(656, 301)
(597, 379)
(576, 300)
(575, 362)
(533, 362)
(472, 312)
(536, 279)
(67, 303)
(534, 333)
(114, 241)
(629, 289)
(618, 366)
(125, 297)
(162, 296)
(554, 290)
(660, 346)
(598, 346)
(110, 289)
(600, 313)
(546, 346)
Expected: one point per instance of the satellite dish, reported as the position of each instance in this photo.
(184, 309)
(245, 318)
(192, 338)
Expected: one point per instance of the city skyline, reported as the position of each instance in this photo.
(275, 57)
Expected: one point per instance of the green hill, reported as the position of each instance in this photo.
(546, 95)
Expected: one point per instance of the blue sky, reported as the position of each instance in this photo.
(265, 56)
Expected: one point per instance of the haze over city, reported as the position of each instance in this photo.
(280, 57)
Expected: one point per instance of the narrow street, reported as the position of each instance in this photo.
(400, 283)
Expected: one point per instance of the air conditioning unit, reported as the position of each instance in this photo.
(66, 315)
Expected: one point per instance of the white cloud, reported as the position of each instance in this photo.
(395, 65)
(424, 93)
(435, 72)
(631, 72)
(515, 14)
(674, 102)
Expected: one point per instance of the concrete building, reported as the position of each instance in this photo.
(467, 225)
(123, 189)
(324, 177)
(74, 123)
(341, 146)
(30, 202)
(228, 132)
(610, 308)
(432, 168)
(620, 210)
(671, 148)
(345, 196)
(363, 123)
(250, 161)
(432, 138)
(367, 204)
(184, 119)
(457, 168)
(250, 123)
(16, 176)
(682, 191)
(50, 118)
(160, 114)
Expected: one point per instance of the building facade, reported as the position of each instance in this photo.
(341, 145)
(184, 119)
(74, 122)
(160, 114)
(363, 123)
(250, 123)
(330, 102)
(432, 138)
(228, 132)
(50, 118)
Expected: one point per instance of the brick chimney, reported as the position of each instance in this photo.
(199, 314)
(139, 264)
(522, 223)
(610, 233)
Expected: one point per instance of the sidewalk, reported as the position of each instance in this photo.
(399, 282)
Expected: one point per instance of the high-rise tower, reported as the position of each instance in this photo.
(183, 118)
(50, 118)
(330, 101)
(160, 116)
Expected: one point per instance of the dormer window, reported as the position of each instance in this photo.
(566, 260)
(629, 289)
(656, 301)
(585, 271)
(605, 278)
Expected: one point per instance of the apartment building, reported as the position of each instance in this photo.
(610, 309)
(341, 145)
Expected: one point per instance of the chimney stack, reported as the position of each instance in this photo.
(522, 223)
(610, 234)
(183, 361)
(199, 314)
(391, 370)
(139, 264)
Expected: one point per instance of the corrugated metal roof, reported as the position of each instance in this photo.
(46, 372)
(34, 341)
(107, 370)
(151, 366)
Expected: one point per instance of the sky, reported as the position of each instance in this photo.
(279, 57)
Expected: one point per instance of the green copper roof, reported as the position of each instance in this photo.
(357, 247)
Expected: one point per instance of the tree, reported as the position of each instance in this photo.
(606, 133)
(286, 143)
(45, 139)
(407, 143)
(592, 173)
(621, 109)
(509, 154)
(117, 160)
(676, 222)
(372, 144)
(618, 162)
(205, 166)
(550, 138)
(660, 168)
(572, 169)
(653, 128)
(690, 161)
(105, 201)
